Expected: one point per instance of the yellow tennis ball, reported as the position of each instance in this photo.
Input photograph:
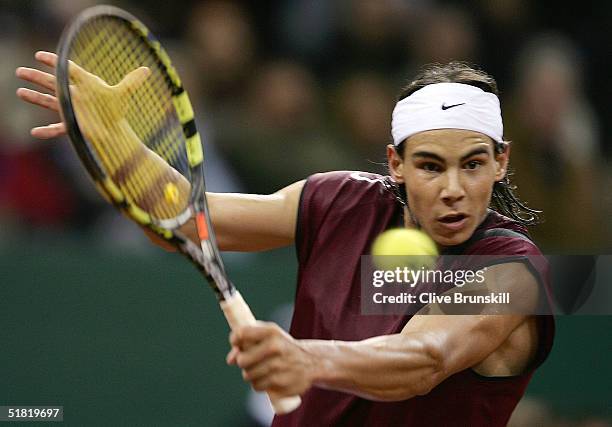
(171, 193)
(404, 247)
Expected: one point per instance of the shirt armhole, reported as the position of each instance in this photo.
(299, 233)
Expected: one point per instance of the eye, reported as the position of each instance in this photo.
(473, 164)
(430, 167)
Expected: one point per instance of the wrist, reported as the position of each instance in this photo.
(321, 353)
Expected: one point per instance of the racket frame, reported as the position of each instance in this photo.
(206, 257)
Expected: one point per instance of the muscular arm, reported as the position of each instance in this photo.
(251, 222)
(429, 349)
(400, 366)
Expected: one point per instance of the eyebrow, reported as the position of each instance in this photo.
(429, 155)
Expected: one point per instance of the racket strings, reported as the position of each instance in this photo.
(118, 158)
(162, 139)
(133, 129)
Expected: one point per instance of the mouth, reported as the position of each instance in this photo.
(454, 221)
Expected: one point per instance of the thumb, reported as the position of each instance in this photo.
(134, 79)
(231, 357)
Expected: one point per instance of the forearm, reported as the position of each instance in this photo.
(242, 222)
(388, 368)
(251, 222)
(254, 222)
(228, 212)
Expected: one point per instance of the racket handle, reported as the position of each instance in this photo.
(238, 313)
(284, 405)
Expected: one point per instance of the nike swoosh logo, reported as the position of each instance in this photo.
(446, 107)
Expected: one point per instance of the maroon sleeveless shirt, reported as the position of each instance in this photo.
(339, 216)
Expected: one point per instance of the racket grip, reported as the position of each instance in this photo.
(238, 313)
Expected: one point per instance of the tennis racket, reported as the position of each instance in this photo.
(132, 125)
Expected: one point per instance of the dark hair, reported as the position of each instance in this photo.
(503, 198)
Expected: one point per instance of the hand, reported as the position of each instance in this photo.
(44, 81)
(271, 360)
(92, 96)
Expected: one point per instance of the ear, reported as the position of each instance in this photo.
(396, 164)
(501, 160)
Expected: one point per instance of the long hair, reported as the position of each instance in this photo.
(503, 199)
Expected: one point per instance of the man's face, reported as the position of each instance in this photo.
(449, 176)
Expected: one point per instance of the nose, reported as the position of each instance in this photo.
(452, 188)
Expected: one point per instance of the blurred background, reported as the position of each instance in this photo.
(94, 318)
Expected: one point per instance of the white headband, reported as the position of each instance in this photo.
(447, 106)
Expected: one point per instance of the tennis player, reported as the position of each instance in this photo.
(448, 167)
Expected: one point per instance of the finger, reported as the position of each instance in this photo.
(281, 384)
(50, 59)
(38, 77)
(50, 131)
(41, 99)
(258, 371)
(260, 331)
(258, 353)
(231, 356)
(47, 58)
(262, 384)
(234, 338)
(248, 335)
(134, 79)
(78, 74)
(273, 382)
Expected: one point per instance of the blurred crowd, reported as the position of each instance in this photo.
(284, 89)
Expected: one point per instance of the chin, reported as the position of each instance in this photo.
(452, 239)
